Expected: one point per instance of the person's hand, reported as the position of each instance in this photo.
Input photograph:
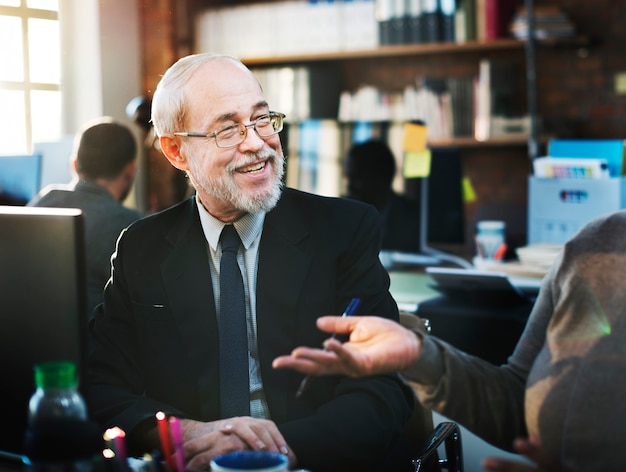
(204, 441)
(529, 448)
(376, 345)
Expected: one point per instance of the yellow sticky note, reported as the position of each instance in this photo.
(417, 164)
(414, 137)
(469, 195)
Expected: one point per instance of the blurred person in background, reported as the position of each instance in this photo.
(103, 162)
(370, 171)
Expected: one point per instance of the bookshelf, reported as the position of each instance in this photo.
(390, 68)
(395, 57)
(497, 167)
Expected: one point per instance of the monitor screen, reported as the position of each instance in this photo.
(446, 222)
(56, 157)
(20, 178)
(42, 291)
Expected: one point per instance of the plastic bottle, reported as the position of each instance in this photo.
(57, 394)
(58, 435)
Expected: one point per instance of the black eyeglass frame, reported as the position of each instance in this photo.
(276, 120)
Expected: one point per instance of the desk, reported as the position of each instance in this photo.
(488, 332)
(409, 288)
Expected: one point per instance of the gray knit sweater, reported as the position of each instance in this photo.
(566, 380)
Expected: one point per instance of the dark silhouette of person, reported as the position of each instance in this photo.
(370, 170)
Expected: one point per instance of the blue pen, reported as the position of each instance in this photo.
(350, 310)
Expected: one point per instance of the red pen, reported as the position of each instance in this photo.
(499, 254)
(164, 436)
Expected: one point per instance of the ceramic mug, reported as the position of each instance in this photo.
(250, 461)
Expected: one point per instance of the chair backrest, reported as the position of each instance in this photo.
(449, 434)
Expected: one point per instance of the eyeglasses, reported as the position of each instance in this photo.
(264, 126)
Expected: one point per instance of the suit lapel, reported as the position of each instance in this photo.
(187, 281)
(283, 265)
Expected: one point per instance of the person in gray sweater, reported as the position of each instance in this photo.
(559, 400)
(104, 161)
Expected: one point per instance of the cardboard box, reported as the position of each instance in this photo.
(558, 208)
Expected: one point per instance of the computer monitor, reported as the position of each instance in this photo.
(442, 221)
(20, 178)
(56, 157)
(42, 296)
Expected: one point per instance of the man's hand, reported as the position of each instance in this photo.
(529, 448)
(376, 346)
(204, 441)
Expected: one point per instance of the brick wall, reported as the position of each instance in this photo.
(575, 87)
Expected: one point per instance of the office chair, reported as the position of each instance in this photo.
(426, 440)
(449, 434)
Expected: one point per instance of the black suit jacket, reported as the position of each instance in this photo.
(154, 345)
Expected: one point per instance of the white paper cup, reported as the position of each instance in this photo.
(250, 461)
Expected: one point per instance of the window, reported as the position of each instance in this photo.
(30, 76)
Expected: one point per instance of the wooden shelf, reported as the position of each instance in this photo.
(469, 142)
(389, 51)
(414, 50)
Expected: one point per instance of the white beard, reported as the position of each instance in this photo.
(224, 188)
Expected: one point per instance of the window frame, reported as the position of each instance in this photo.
(25, 13)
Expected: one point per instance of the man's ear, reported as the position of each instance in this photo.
(170, 146)
(130, 169)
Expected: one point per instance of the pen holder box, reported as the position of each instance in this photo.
(558, 208)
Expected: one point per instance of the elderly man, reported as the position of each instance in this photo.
(160, 340)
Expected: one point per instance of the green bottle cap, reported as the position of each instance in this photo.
(55, 375)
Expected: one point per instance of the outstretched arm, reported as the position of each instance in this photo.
(375, 346)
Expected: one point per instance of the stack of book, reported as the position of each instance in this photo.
(429, 21)
(550, 22)
(315, 156)
(498, 108)
(485, 106)
(288, 27)
(301, 92)
(446, 105)
(493, 18)
(313, 26)
(415, 21)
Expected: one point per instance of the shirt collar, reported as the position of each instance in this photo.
(248, 227)
(92, 187)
